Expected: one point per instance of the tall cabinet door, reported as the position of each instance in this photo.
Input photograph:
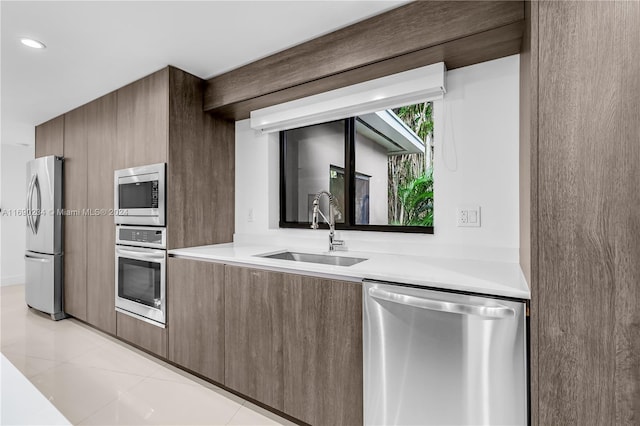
(75, 224)
(50, 138)
(101, 139)
(588, 228)
(143, 121)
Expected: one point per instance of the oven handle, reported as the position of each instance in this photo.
(156, 254)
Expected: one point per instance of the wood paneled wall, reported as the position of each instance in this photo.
(420, 33)
(143, 122)
(50, 138)
(585, 248)
(200, 168)
(528, 185)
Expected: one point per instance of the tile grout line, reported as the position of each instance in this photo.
(236, 413)
(120, 395)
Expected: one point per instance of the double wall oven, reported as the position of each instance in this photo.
(141, 243)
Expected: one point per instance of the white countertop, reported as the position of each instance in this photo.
(22, 402)
(476, 276)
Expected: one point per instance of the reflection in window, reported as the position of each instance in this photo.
(378, 165)
(308, 152)
(337, 186)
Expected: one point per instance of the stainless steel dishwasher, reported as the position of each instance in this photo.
(441, 358)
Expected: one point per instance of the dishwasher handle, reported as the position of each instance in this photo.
(494, 312)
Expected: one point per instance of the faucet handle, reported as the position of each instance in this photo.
(338, 245)
(314, 221)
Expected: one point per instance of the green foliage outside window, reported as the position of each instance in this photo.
(411, 175)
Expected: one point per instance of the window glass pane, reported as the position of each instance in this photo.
(312, 157)
(394, 155)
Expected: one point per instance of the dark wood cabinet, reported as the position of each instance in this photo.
(160, 120)
(101, 150)
(196, 327)
(50, 138)
(143, 121)
(294, 342)
(322, 340)
(142, 334)
(580, 133)
(200, 169)
(75, 222)
(89, 147)
(157, 119)
(253, 334)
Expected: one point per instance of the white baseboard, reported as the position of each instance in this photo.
(12, 280)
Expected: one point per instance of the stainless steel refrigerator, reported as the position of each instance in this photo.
(43, 257)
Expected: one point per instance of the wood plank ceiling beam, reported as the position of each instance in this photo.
(417, 34)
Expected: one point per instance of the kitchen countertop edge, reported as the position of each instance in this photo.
(501, 279)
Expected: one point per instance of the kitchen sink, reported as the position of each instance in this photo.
(314, 258)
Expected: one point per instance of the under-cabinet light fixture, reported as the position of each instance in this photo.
(32, 43)
(409, 87)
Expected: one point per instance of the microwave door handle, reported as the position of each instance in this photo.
(141, 254)
(495, 312)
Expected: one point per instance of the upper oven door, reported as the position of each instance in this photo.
(139, 195)
(140, 282)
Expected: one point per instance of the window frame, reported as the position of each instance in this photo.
(349, 191)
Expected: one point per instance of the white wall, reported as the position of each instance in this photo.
(475, 163)
(12, 197)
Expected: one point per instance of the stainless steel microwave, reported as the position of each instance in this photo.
(139, 195)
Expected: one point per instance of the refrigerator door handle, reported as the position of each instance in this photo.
(36, 186)
(29, 206)
(494, 312)
(36, 259)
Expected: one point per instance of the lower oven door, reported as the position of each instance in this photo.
(140, 283)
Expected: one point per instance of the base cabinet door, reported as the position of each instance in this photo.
(196, 316)
(142, 334)
(322, 341)
(253, 334)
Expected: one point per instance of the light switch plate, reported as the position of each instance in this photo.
(468, 216)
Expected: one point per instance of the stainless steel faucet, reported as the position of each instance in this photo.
(333, 213)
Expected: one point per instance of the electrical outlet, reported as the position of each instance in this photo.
(468, 216)
(463, 217)
(250, 215)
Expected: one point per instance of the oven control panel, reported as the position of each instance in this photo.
(142, 236)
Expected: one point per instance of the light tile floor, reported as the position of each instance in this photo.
(94, 379)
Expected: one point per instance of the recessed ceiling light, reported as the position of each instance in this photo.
(33, 43)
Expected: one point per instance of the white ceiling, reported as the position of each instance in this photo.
(96, 47)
